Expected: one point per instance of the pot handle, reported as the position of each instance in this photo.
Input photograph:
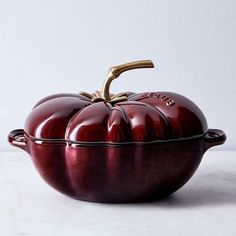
(214, 137)
(18, 139)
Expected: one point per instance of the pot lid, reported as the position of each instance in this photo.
(125, 117)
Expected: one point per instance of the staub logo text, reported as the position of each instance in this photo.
(168, 101)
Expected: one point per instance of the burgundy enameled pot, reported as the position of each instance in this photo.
(116, 148)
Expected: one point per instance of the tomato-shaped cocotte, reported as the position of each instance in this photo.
(116, 148)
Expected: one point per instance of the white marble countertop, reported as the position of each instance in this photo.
(206, 205)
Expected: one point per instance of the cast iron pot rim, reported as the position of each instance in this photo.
(109, 143)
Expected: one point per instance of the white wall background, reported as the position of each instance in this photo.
(56, 46)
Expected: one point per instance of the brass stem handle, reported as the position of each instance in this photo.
(115, 72)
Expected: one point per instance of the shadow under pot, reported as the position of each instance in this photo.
(119, 148)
